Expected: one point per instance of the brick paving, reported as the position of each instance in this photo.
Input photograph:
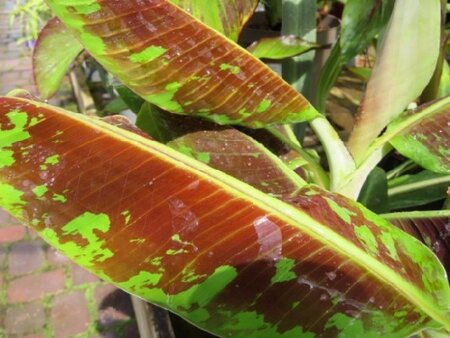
(42, 293)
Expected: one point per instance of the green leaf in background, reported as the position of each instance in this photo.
(116, 106)
(430, 227)
(133, 101)
(424, 135)
(409, 191)
(227, 17)
(444, 85)
(374, 193)
(363, 73)
(56, 49)
(399, 76)
(281, 47)
(273, 11)
(362, 21)
(192, 70)
(216, 251)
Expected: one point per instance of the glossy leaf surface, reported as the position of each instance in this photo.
(56, 49)
(179, 64)
(227, 17)
(414, 26)
(214, 250)
(223, 148)
(424, 136)
(280, 47)
(432, 228)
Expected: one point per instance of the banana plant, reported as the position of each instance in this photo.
(195, 213)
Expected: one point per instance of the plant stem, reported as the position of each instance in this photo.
(320, 176)
(380, 147)
(418, 214)
(399, 170)
(340, 161)
(352, 185)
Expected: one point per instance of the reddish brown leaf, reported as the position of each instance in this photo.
(218, 252)
(176, 62)
(433, 230)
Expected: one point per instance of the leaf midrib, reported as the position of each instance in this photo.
(281, 210)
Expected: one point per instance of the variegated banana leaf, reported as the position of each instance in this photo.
(424, 136)
(223, 148)
(430, 227)
(50, 63)
(225, 256)
(227, 17)
(181, 65)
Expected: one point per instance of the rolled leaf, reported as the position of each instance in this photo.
(430, 227)
(177, 63)
(218, 252)
(56, 49)
(399, 75)
(280, 47)
(424, 136)
(227, 17)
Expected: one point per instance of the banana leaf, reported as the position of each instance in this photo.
(225, 256)
(181, 65)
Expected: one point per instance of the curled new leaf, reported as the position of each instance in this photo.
(399, 76)
(218, 252)
(177, 63)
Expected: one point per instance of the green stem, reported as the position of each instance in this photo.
(399, 170)
(418, 214)
(319, 174)
(352, 185)
(340, 161)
